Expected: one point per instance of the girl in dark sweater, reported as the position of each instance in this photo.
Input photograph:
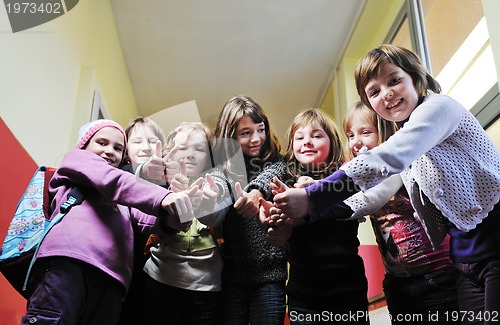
(327, 282)
(254, 272)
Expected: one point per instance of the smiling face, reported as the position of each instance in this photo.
(361, 134)
(251, 136)
(141, 144)
(392, 93)
(108, 143)
(193, 149)
(311, 144)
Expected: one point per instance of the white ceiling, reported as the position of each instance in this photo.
(282, 53)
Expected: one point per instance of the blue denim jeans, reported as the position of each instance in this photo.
(427, 299)
(253, 304)
(479, 291)
(164, 304)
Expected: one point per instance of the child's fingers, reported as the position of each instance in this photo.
(279, 185)
(197, 183)
(171, 153)
(211, 183)
(158, 149)
(265, 204)
(182, 167)
(238, 190)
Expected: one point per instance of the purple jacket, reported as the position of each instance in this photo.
(99, 231)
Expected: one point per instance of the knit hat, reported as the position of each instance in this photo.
(88, 130)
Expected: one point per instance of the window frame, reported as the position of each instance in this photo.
(486, 109)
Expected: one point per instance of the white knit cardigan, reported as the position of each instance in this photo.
(444, 149)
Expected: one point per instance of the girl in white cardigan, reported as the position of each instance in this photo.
(448, 164)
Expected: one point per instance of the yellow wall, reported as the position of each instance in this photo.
(371, 30)
(50, 72)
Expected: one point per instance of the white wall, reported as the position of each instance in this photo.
(49, 73)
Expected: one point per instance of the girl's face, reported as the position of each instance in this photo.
(251, 136)
(193, 149)
(108, 143)
(361, 134)
(311, 144)
(141, 144)
(392, 93)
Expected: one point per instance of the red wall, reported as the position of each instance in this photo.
(374, 269)
(16, 169)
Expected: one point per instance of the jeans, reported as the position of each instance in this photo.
(427, 299)
(164, 304)
(479, 291)
(253, 304)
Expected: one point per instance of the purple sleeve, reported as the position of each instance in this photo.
(84, 168)
(328, 192)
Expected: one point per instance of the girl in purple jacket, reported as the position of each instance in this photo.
(84, 265)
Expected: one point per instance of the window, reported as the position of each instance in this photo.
(99, 111)
(452, 39)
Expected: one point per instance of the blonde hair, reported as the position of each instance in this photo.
(308, 117)
(370, 65)
(384, 128)
(141, 121)
(189, 127)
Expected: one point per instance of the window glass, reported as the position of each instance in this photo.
(402, 37)
(460, 53)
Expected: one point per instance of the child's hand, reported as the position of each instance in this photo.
(154, 168)
(172, 167)
(292, 203)
(277, 186)
(278, 236)
(247, 204)
(180, 182)
(179, 209)
(195, 193)
(210, 196)
(304, 181)
(265, 213)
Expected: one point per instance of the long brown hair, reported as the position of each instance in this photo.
(233, 111)
(370, 65)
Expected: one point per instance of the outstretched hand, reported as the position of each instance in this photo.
(247, 204)
(195, 193)
(180, 181)
(275, 235)
(172, 167)
(154, 168)
(304, 181)
(292, 202)
(179, 210)
(210, 196)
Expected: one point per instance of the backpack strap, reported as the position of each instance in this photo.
(48, 173)
(75, 197)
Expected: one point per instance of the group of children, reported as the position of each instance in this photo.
(431, 191)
